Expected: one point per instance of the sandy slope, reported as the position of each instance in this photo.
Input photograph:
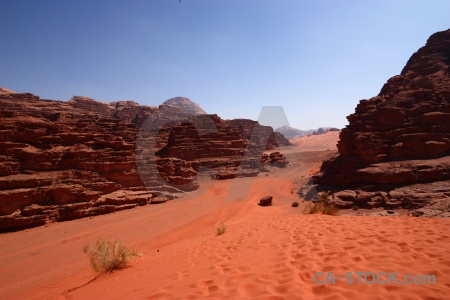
(326, 141)
(266, 252)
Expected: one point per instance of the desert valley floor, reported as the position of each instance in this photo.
(266, 252)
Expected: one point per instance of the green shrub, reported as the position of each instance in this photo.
(221, 229)
(355, 207)
(107, 256)
(295, 204)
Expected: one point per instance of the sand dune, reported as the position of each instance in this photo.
(320, 142)
(276, 258)
(266, 252)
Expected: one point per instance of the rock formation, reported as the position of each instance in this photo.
(221, 145)
(259, 134)
(6, 91)
(67, 160)
(395, 152)
(275, 159)
(265, 201)
(58, 162)
(186, 105)
(323, 130)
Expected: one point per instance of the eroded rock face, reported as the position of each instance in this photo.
(396, 149)
(67, 160)
(259, 134)
(275, 159)
(186, 105)
(210, 142)
(58, 163)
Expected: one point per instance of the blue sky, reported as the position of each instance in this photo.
(317, 59)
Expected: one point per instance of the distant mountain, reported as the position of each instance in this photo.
(186, 104)
(323, 130)
(291, 132)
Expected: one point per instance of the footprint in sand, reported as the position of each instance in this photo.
(244, 268)
(280, 289)
(250, 290)
(207, 287)
(223, 268)
(159, 295)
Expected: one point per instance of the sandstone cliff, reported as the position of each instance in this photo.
(66, 160)
(259, 134)
(61, 161)
(395, 152)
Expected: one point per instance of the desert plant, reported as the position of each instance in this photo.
(294, 204)
(313, 208)
(355, 207)
(330, 209)
(306, 208)
(106, 256)
(321, 206)
(221, 229)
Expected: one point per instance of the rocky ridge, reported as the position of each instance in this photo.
(66, 160)
(395, 152)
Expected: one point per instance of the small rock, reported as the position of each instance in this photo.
(158, 200)
(266, 201)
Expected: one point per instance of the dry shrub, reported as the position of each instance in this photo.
(221, 229)
(321, 206)
(106, 256)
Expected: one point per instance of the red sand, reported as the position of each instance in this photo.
(265, 253)
(326, 141)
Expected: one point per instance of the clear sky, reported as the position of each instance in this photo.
(317, 59)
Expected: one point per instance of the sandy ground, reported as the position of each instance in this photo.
(325, 141)
(266, 252)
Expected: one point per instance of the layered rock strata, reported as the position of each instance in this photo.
(211, 143)
(66, 160)
(186, 105)
(58, 163)
(259, 134)
(395, 152)
(275, 159)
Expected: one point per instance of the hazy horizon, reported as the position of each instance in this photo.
(316, 59)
